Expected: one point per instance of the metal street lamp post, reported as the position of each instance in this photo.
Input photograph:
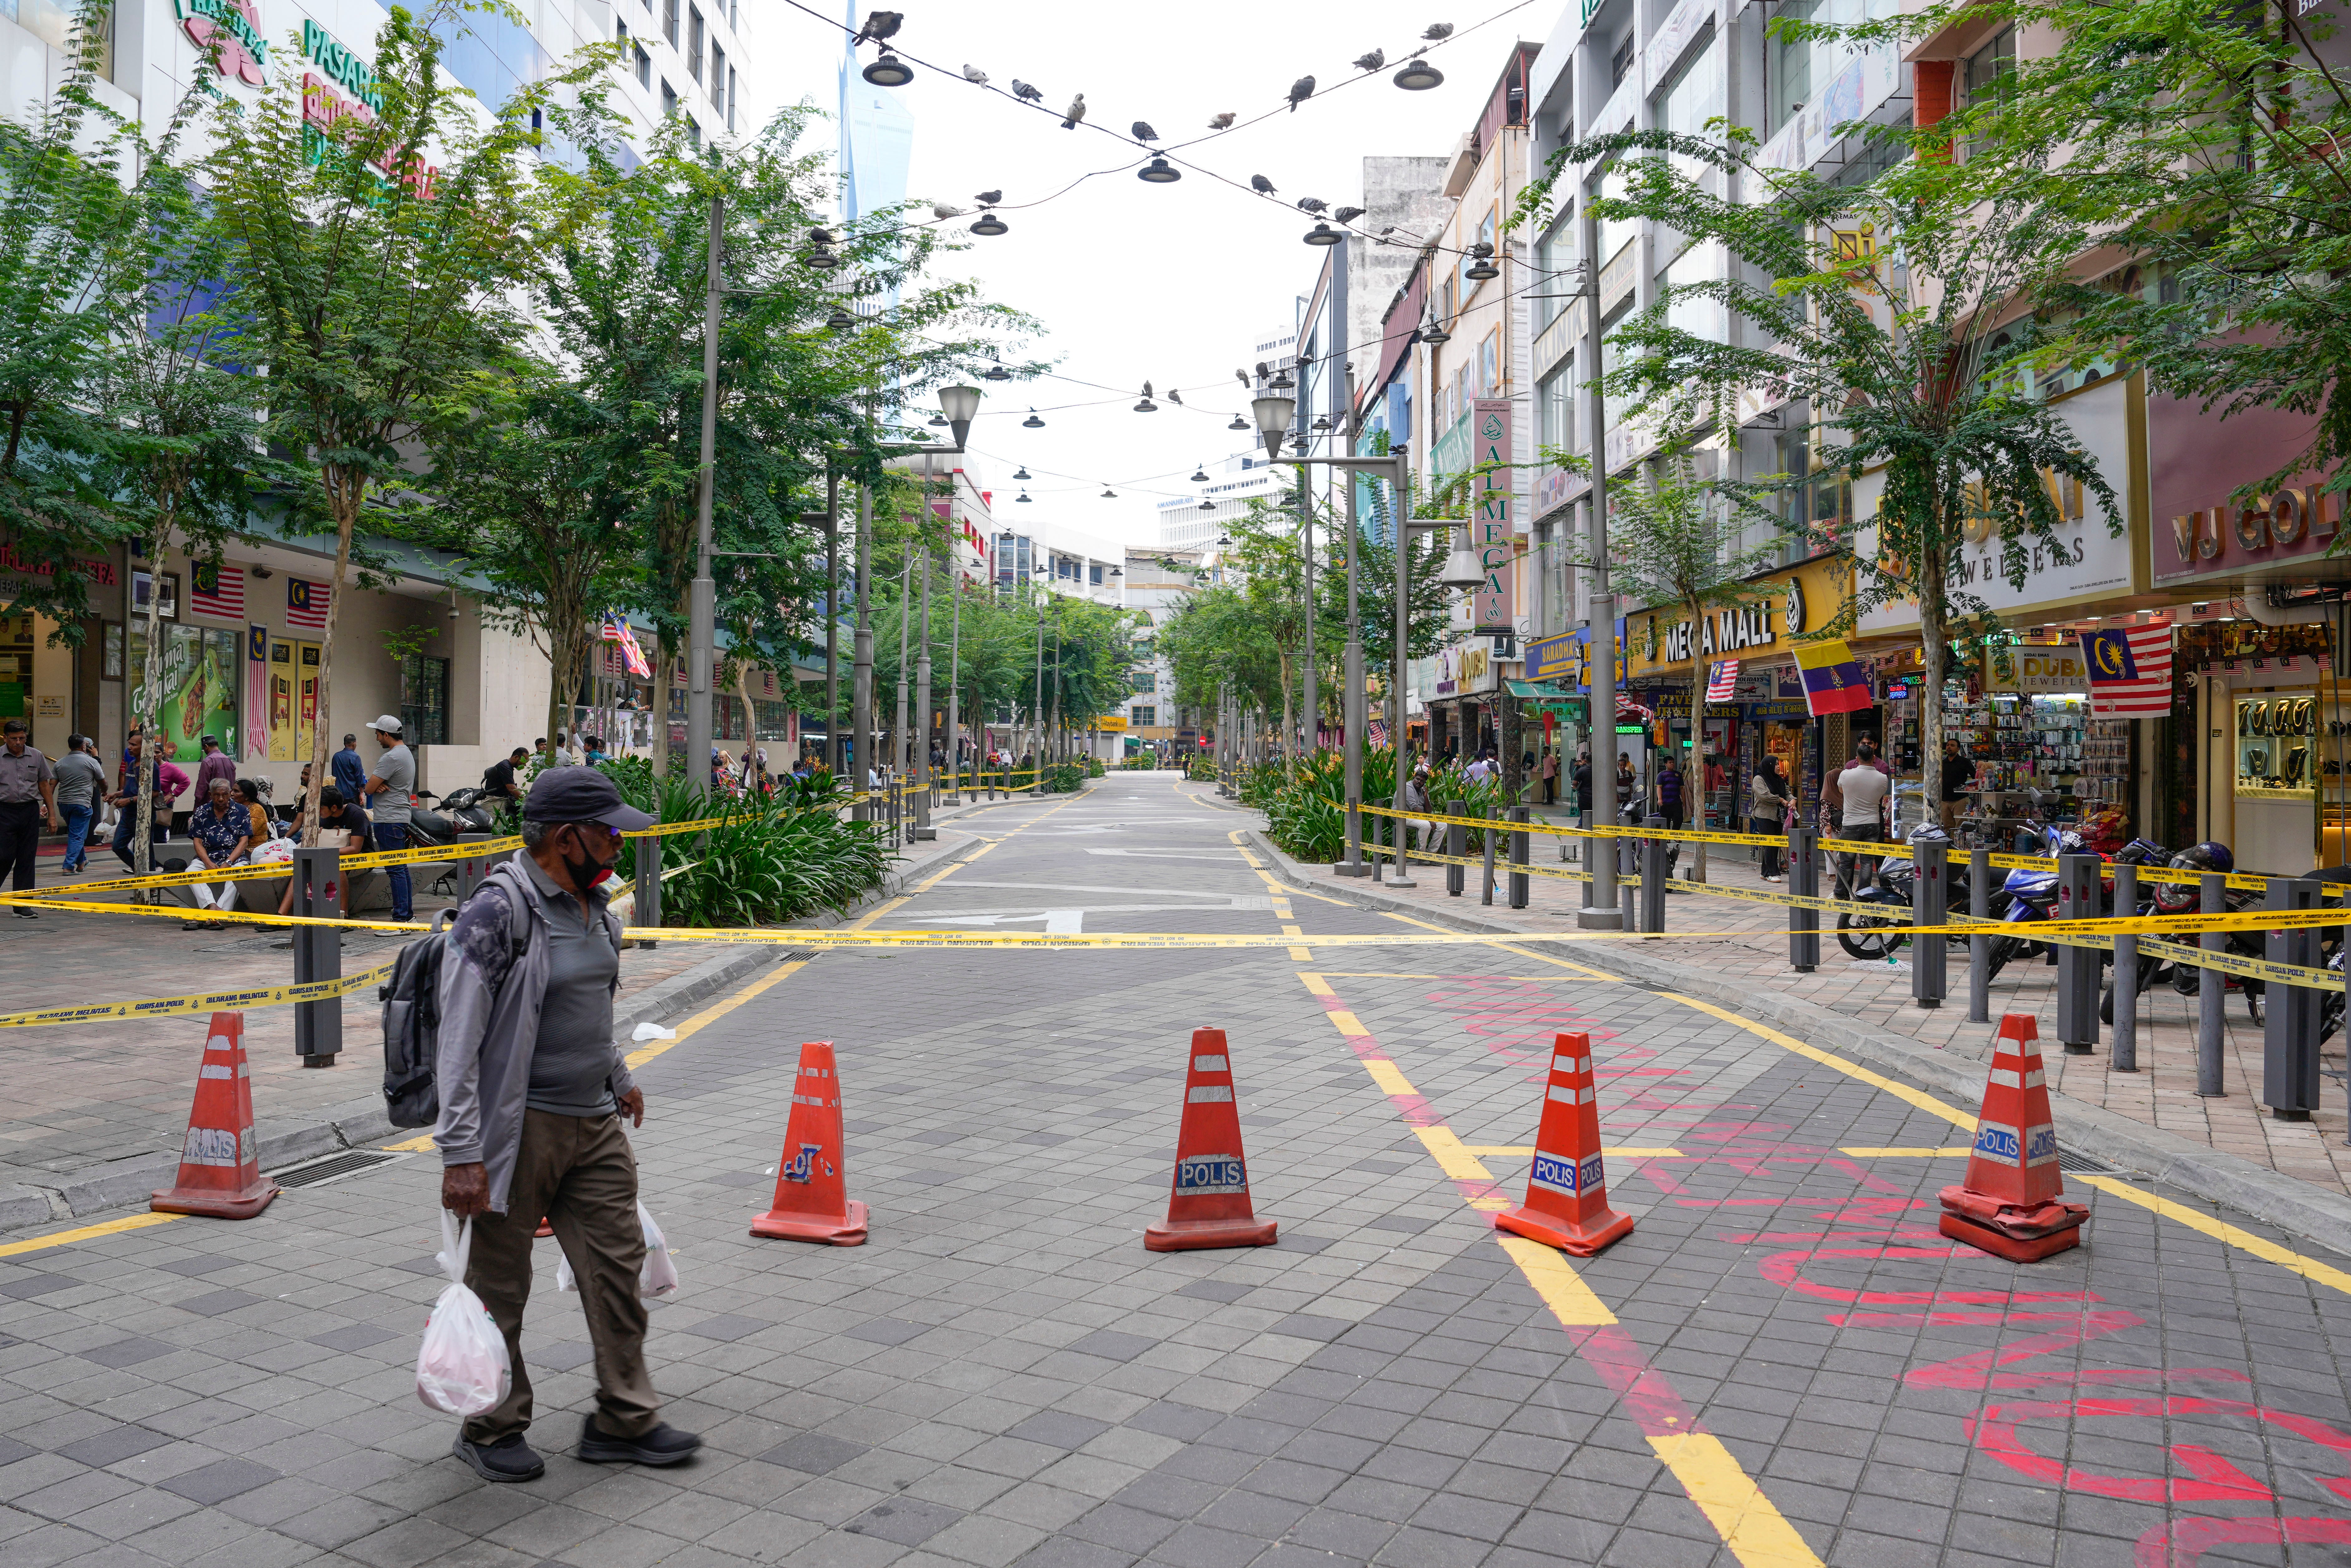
(1602, 914)
(701, 598)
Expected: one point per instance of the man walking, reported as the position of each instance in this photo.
(28, 795)
(349, 773)
(81, 783)
(387, 791)
(532, 1092)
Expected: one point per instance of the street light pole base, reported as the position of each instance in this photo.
(1402, 882)
(1598, 919)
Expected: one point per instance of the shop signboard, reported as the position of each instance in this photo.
(2087, 561)
(2195, 465)
(2036, 668)
(1490, 525)
(1554, 658)
(1783, 606)
(235, 26)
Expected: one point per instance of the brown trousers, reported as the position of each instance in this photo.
(579, 1173)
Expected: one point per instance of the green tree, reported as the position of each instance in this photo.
(1885, 348)
(1668, 545)
(2206, 151)
(515, 488)
(378, 264)
(66, 210)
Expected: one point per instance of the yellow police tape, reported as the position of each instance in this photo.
(2242, 880)
(215, 1002)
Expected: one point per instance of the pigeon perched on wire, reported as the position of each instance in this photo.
(1143, 131)
(1439, 32)
(1260, 185)
(988, 198)
(1299, 91)
(1314, 204)
(1175, 396)
(1222, 121)
(975, 76)
(940, 210)
(1347, 215)
(1025, 93)
(879, 25)
(1371, 61)
(1075, 112)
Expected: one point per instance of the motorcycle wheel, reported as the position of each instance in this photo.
(2106, 1003)
(2003, 949)
(1858, 935)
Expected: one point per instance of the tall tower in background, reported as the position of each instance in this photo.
(877, 138)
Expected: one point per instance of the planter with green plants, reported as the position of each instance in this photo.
(763, 860)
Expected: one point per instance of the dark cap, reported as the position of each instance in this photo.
(580, 795)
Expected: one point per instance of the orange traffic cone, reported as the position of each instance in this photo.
(1567, 1190)
(2012, 1204)
(220, 1166)
(1210, 1206)
(812, 1201)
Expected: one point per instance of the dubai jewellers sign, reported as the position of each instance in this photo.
(235, 26)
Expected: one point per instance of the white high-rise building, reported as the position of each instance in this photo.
(682, 57)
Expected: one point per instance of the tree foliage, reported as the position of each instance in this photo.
(1873, 318)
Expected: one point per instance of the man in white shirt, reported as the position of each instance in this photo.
(1864, 788)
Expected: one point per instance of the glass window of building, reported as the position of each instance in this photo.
(693, 43)
(1788, 64)
(1692, 95)
(718, 77)
(1555, 408)
(668, 99)
(1988, 65)
(1554, 254)
(1620, 63)
(1490, 364)
(1700, 317)
(1615, 233)
(424, 700)
(669, 22)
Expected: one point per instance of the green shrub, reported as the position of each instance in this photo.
(1064, 778)
(1308, 819)
(1202, 769)
(762, 861)
(1094, 768)
(1139, 764)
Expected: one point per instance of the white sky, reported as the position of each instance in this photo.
(1134, 281)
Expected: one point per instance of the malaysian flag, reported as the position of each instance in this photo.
(2130, 670)
(306, 605)
(216, 590)
(1722, 684)
(616, 629)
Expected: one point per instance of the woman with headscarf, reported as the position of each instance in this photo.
(1767, 811)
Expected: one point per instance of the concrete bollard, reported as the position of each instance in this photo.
(1803, 877)
(1457, 844)
(2078, 968)
(2123, 1036)
(2290, 1013)
(1979, 945)
(2211, 992)
(1519, 858)
(318, 953)
(1930, 906)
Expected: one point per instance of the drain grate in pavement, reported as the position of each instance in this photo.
(2086, 1164)
(334, 1167)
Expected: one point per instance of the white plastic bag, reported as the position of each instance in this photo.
(658, 1277)
(461, 1367)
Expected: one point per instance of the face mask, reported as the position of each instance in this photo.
(586, 871)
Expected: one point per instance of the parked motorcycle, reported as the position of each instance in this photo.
(1862, 936)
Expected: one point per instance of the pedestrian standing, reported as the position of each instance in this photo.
(28, 796)
(532, 1092)
(1550, 776)
(388, 789)
(1959, 778)
(81, 785)
(1670, 792)
(1767, 812)
(1861, 789)
(218, 764)
(349, 773)
(164, 781)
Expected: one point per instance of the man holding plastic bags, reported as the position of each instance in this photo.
(532, 1091)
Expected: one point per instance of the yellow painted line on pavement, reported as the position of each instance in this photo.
(1755, 1530)
(1758, 1534)
(1580, 971)
(87, 1233)
(2221, 1230)
(1918, 1097)
(1948, 1151)
(1607, 1151)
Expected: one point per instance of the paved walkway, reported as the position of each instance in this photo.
(1753, 946)
(80, 1096)
(1782, 1365)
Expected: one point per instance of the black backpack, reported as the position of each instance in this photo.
(412, 1019)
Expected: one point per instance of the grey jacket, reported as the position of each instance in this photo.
(489, 1026)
